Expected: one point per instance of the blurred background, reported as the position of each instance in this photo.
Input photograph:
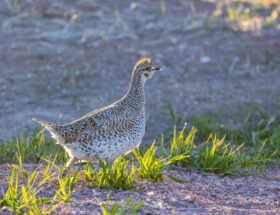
(61, 59)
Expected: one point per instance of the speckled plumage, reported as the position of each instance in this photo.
(111, 131)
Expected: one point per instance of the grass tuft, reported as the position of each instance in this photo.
(116, 177)
(180, 144)
(66, 186)
(215, 155)
(254, 133)
(128, 207)
(218, 157)
(32, 148)
(24, 198)
(151, 167)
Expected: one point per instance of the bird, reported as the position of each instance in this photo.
(111, 131)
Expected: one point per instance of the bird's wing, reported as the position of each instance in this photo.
(92, 126)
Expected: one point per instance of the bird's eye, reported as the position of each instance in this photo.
(146, 75)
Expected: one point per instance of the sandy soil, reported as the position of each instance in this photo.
(202, 193)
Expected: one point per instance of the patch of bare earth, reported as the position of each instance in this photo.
(201, 193)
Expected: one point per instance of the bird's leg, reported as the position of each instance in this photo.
(70, 163)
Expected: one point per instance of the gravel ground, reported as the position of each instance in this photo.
(202, 193)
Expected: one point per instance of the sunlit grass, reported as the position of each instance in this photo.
(218, 157)
(24, 194)
(23, 198)
(116, 176)
(215, 155)
(151, 167)
(128, 207)
(32, 148)
(180, 144)
(252, 134)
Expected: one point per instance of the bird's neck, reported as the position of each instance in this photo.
(136, 90)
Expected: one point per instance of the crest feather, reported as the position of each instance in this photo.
(143, 60)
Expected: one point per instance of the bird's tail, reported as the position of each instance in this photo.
(44, 124)
(51, 128)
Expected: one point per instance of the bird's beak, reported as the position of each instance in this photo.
(156, 68)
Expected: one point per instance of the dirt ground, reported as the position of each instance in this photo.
(62, 59)
(202, 193)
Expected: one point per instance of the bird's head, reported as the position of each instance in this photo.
(145, 69)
